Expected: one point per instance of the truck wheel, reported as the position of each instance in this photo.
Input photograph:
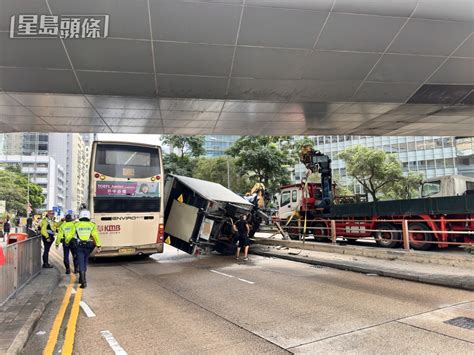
(351, 241)
(293, 231)
(320, 235)
(225, 248)
(390, 238)
(418, 237)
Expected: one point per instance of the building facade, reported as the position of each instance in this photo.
(44, 171)
(88, 139)
(430, 156)
(465, 156)
(69, 152)
(216, 146)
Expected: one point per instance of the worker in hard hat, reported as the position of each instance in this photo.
(88, 239)
(48, 230)
(67, 235)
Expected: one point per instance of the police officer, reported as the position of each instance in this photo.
(48, 230)
(87, 235)
(67, 235)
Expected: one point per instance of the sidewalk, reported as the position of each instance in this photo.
(449, 276)
(18, 316)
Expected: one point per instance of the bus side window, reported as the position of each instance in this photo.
(285, 198)
(294, 196)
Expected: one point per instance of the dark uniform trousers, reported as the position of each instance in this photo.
(70, 248)
(83, 251)
(47, 245)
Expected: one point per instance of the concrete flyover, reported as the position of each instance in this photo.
(354, 67)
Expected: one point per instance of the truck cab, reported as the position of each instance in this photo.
(299, 198)
(289, 201)
(443, 186)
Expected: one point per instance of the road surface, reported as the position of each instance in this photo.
(175, 303)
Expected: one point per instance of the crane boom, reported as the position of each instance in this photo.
(317, 162)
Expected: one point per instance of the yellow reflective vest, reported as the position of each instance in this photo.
(48, 228)
(86, 230)
(66, 231)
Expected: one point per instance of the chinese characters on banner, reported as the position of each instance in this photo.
(62, 26)
(127, 189)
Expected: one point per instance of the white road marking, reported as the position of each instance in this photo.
(221, 273)
(113, 343)
(230, 276)
(87, 310)
(247, 281)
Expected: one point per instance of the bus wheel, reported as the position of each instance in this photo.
(389, 237)
(320, 232)
(418, 236)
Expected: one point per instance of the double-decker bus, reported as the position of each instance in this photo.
(125, 197)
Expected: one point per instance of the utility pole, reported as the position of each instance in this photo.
(28, 196)
(228, 173)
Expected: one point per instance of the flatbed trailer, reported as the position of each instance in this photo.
(439, 221)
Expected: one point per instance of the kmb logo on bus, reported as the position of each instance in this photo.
(109, 228)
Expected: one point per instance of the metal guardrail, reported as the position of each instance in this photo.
(22, 263)
(333, 231)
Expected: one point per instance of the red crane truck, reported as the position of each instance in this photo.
(431, 220)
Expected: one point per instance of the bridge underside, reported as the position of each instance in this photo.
(276, 67)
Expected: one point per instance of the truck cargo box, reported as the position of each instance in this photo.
(199, 214)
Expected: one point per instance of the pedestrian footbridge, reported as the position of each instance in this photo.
(299, 67)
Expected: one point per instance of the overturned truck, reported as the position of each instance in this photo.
(199, 215)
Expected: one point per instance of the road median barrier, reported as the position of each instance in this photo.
(404, 270)
(439, 257)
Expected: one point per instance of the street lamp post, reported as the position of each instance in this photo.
(28, 196)
(228, 173)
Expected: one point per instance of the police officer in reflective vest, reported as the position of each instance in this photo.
(87, 235)
(67, 235)
(48, 229)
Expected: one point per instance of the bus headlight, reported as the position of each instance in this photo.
(102, 177)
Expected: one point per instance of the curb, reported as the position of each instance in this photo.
(25, 332)
(440, 280)
(420, 257)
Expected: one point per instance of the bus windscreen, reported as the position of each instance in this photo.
(124, 161)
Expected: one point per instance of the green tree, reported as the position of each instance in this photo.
(174, 164)
(189, 148)
(374, 169)
(216, 169)
(263, 159)
(404, 188)
(186, 145)
(14, 190)
(341, 189)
